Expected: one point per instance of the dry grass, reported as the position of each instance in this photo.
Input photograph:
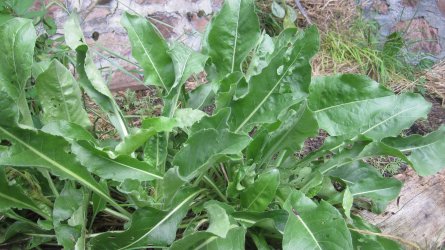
(435, 81)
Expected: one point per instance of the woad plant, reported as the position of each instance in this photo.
(227, 178)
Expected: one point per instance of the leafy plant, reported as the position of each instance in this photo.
(190, 180)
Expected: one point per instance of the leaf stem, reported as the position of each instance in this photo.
(50, 183)
(213, 185)
(387, 236)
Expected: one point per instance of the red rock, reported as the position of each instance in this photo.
(160, 19)
(420, 35)
(381, 6)
(441, 6)
(199, 23)
(410, 3)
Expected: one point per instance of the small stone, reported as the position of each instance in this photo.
(198, 23)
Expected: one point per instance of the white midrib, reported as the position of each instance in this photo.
(149, 57)
(59, 166)
(258, 195)
(63, 96)
(128, 166)
(16, 201)
(370, 191)
(266, 97)
(236, 38)
(419, 147)
(163, 220)
(309, 231)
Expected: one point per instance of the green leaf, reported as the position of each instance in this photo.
(206, 147)
(150, 50)
(99, 204)
(288, 70)
(207, 241)
(230, 35)
(13, 196)
(336, 100)
(134, 141)
(277, 10)
(9, 111)
(348, 199)
(60, 96)
(217, 121)
(171, 183)
(299, 125)
(272, 221)
(314, 226)
(90, 78)
(258, 196)
(426, 153)
(17, 51)
(68, 130)
(365, 181)
(68, 216)
(261, 57)
(36, 149)
(186, 63)
(148, 226)
(119, 169)
(370, 242)
(219, 219)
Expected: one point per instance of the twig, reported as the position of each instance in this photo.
(303, 11)
(392, 237)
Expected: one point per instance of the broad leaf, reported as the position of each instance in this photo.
(351, 104)
(206, 147)
(299, 125)
(258, 196)
(426, 153)
(68, 130)
(119, 169)
(9, 112)
(17, 50)
(314, 226)
(365, 181)
(60, 96)
(69, 216)
(207, 241)
(90, 78)
(230, 35)
(133, 141)
(150, 50)
(12, 196)
(36, 149)
(272, 221)
(290, 71)
(219, 219)
(149, 226)
(261, 56)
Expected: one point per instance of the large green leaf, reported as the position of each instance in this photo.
(273, 221)
(365, 181)
(314, 226)
(9, 111)
(32, 148)
(261, 56)
(12, 196)
(149, 226)
(60, 96)
(351, 104)
(258, 196)
(206, 147)
(18, 38)
(90, 78)
(150, 50)
(426, 153)
(119, 169)
(289, 71)
(69, 216)
(68, 130)
(299, 125)
(133, 141)
(207, 241)
(219, 219)
(232, 35)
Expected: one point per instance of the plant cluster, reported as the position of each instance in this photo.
(187, 179)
